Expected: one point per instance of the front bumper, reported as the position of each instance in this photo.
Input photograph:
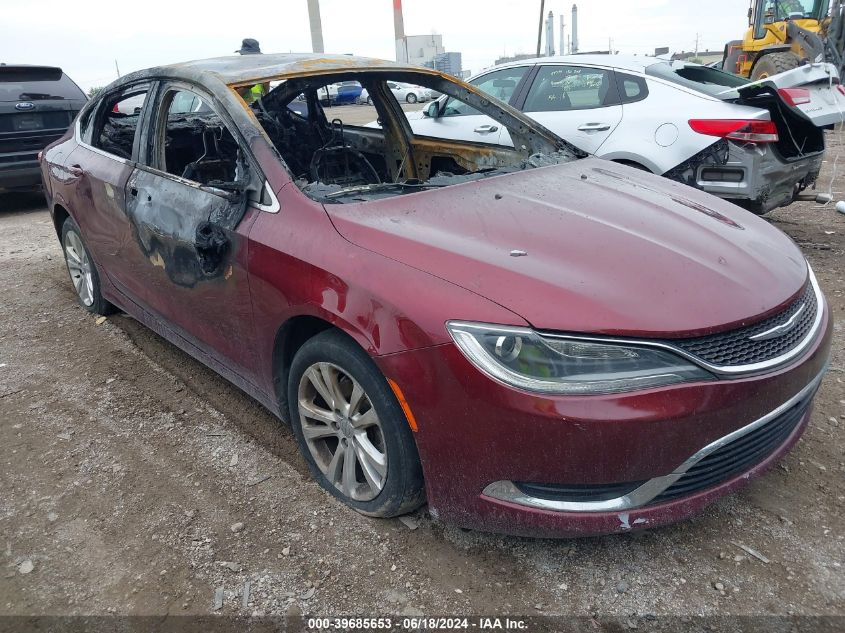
(757, 177)
(474, 433)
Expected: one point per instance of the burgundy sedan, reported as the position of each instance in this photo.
(530, 340)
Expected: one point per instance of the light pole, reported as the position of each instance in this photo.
(540, 28)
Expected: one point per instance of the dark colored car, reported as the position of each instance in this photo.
(533, 342)
(348, 92)
(37, 105)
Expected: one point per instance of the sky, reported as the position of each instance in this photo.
(86, 37)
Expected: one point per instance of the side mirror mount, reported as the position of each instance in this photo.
(433, 110)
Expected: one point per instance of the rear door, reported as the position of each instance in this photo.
(461, 122)
(187, 260)
(579, 103)
(37, 105)
(105, 156)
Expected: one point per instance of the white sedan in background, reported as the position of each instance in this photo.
(406, 93)
(755, 144)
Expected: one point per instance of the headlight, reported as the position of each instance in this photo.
(522, 358)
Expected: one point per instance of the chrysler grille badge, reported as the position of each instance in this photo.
(782, 329)
(25, 105)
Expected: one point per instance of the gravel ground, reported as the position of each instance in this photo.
(136, 481)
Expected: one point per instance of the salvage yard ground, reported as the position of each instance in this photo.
(135, 480)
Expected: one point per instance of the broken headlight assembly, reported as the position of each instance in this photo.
(558, 365)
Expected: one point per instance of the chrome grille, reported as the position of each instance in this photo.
(736, 348)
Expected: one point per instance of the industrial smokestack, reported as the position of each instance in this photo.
(399, 32)
(550, 35)
(316, 26)
(398, 20)
(574, 28)
(562, 40)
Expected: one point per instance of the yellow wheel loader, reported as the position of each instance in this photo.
(785, 34)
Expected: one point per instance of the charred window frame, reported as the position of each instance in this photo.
(396, 131)
(529, 136)
(94, 120)
(151, 156)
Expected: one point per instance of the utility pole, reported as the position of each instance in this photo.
(540, 28)
(316, 26)
(697, 38)
(117, 68)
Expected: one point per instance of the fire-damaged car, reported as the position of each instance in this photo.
(531, 341)
(758, 145)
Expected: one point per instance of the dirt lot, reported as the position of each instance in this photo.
(135, 480)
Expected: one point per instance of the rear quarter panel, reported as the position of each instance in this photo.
(647, 125)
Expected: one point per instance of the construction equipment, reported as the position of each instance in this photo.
(785, 34)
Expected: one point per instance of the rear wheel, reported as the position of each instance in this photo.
(82, 271)
(773, 64)
(351, 429)
(411, 98)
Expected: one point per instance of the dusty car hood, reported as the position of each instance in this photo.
(609, 249)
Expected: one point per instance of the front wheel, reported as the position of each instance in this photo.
(411, 98)
(82, 271)
(350, 428)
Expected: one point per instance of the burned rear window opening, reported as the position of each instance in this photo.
(333, 162)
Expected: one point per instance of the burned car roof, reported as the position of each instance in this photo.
(242, 69)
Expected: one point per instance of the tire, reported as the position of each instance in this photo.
(411, 98)
(369, 100)
(377, 421)
(774, 63)
(82, 270)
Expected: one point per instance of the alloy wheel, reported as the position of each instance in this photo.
(343, 431)
(79, 267)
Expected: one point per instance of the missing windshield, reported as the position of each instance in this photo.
(360, 135)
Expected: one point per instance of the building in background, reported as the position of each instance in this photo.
(506, 59)
(423, 50)
(702, 57)
(449, 63)
(419, 49)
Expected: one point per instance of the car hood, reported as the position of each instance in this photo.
(608, 249)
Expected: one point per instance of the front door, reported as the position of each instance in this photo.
(188, 254)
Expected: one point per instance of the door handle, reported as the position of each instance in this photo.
(76, 171)
(486, 129)
(594, 127)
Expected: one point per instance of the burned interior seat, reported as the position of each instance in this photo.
(338, 163)
(212, 165)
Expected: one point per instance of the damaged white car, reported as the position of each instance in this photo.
(758, 145)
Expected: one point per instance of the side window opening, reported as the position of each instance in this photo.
(564, 88)
(631, 88)
(196, 143)
(118, 123)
